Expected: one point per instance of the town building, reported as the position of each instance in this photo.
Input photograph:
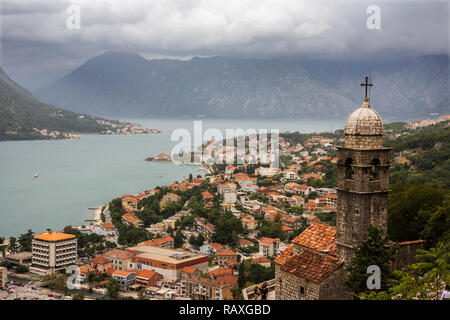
(101, 264)
(211, 248)
(164, 242)
(53, 252)
(110, 229)
(199, 288)
(167, 262)
(148, 278)
(130, 218)
(207, 229)
(119, 259)
(268, 247)
(167, 198)
(124, 278)
(20, 258)
(225, 255)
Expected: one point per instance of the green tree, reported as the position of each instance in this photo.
(13, 246)
(425, 279)
(374, 251)
(21, 268)
(410, 208)
(113, 288)
(179, 239)
(241, 276)
(25, 240)
(438, 225)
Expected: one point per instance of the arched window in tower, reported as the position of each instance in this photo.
(374, 169)
(349, 173)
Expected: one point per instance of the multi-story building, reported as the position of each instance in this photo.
(225, 255)
(119, 259)
(199, 288)
(124, 278)
(167, 262)
(53, 251)
(268, 247)
(164, 242)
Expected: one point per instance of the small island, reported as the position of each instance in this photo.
(162, 157)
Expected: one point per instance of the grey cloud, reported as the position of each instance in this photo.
(35, 37)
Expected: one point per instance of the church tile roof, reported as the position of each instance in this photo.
(318, 236)
(309, 264)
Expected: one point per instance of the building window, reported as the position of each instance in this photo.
(302, 290)
(349, 173)
(374, 169)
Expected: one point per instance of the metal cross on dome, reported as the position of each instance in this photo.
(367, 84)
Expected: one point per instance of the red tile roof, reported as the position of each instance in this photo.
(226, 253)
(268, 241)
(219, 272)
(159, 241)
(100, 260)
(309, 264)
(261, 260)
(146, 274)
(216, 246)
(318, 236)
(108, 225)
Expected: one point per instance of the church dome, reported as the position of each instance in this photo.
(364, 121)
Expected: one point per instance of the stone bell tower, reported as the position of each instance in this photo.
(363, 180)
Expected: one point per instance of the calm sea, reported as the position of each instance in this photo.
(75, 175)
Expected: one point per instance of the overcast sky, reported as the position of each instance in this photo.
(38, 47)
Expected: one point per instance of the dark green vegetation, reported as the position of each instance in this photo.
(424, 280)
(89, 244)
(374, 251)
(128, 234)
(20, 112)
(419, 203)
(252, 273)
(428, 153)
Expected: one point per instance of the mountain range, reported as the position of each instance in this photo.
(116, 84)
(20, 112)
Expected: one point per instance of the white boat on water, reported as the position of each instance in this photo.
(36, 175)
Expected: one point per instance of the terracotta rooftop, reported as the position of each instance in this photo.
(268, 241)
(308, 264)
(100, 260)
(318, 236)
(216, 246)
(122, 273)
(219, 272)
(261, 260)
(159, 241)
(146, 274)
(54, 236)
(226, 253)
(120, 254)
(108, 225)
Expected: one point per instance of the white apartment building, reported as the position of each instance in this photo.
(52, 252)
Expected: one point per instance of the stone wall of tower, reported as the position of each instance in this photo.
(287, 287)
(363, 141)
(363, 186)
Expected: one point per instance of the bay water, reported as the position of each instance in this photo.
(75, 175)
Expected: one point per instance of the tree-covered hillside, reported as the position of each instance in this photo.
(20, 112)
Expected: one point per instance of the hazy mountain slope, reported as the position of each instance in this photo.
(20, 111)
(127, 85)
